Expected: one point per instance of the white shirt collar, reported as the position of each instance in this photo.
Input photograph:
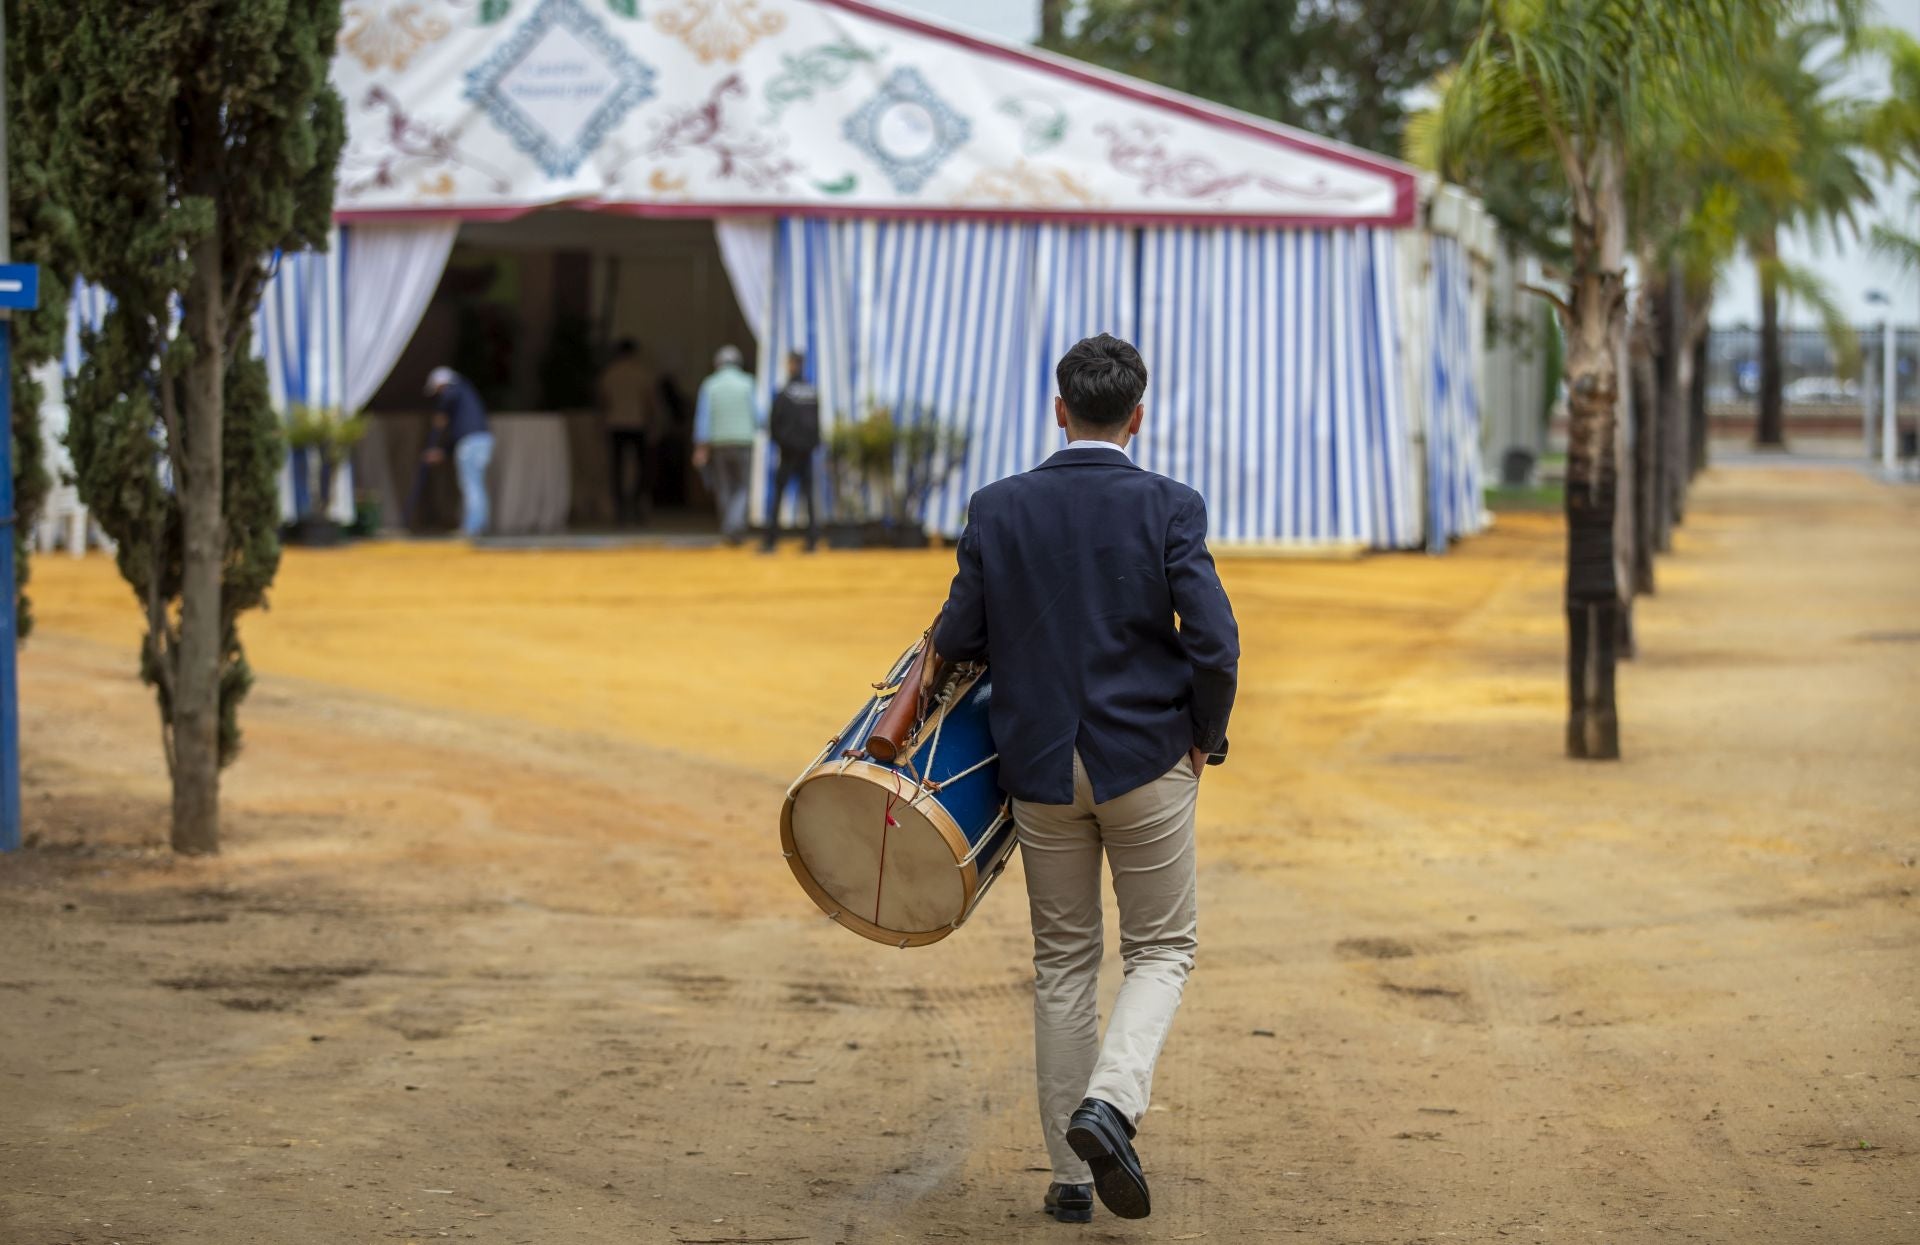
(1092, 445)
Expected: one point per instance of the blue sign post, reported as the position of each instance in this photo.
(19, 286)
(19, 291)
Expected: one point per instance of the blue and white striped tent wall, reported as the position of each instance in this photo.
(300, 327)
(1455, 502)
(961, 318)
(298, 330)
(1278, 393)
(86, 309)
(1275, 384)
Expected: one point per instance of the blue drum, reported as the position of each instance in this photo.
(903, 851)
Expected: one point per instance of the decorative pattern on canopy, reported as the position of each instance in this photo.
(799, 107)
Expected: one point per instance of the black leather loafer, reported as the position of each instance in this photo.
(1102, 1136)
(1070, 1203)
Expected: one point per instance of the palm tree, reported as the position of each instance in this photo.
(1678, 208)
(1564, 86)
(1893, 131)
(1708, 241)
(1824, 136)
(1690, 179)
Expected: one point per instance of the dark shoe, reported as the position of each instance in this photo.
(1070, 1203)
(1102, 1136)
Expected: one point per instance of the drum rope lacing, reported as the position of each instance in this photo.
(926, 785)
(986, 837)
(998, 867)
(930, 787)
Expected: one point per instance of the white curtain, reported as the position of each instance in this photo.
(298, 332)
(392, 270)
(746, 248)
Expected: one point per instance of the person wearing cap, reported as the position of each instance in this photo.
(725, 421)
(460, 430)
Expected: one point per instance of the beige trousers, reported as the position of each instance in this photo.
(1147, 835)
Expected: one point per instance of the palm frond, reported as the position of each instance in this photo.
(1901, 248)
(1803, 285)
(1890, 128)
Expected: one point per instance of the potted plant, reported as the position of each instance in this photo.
(860, 458)
(329, 436)
(884, 470)
(929, 453)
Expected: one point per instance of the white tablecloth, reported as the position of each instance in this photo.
(532, 477)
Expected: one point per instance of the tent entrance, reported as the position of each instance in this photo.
(531, 311)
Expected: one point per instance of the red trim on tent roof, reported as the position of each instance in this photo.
(1402, 215)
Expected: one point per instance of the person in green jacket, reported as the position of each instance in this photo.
(725, 421)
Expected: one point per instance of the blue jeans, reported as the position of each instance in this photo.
(470, 459)
(728, 470)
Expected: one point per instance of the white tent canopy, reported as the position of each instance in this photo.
(800, 107)
(931, 217)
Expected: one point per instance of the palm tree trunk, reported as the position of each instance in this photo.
(1595, 328)
(1697, 438)
(1771, 430)
(1053, 26)
(1666, 374)
(1676, 378)
(1643, 409)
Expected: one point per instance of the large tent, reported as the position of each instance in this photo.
(932, 217)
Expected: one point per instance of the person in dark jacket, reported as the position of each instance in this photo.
(1087, 587)
(794, 428)
(460, 430)
(628, 395)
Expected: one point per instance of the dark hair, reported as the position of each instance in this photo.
(797, 361)
(626, 346)
(1101, 380)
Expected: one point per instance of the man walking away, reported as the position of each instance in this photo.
(460, 428)
(794, 426)
(1071, 579)
(627, 398)
(724, 424)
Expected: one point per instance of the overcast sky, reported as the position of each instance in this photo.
(1849, 269)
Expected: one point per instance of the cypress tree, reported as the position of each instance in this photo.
(190, 140)
(42, 233)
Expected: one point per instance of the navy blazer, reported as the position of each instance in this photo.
(1071, 577)
(465, 413)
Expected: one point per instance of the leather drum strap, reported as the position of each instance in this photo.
(907, 709)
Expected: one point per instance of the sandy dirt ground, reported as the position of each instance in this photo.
(502, 947)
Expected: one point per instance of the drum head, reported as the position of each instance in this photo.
(898, 883)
